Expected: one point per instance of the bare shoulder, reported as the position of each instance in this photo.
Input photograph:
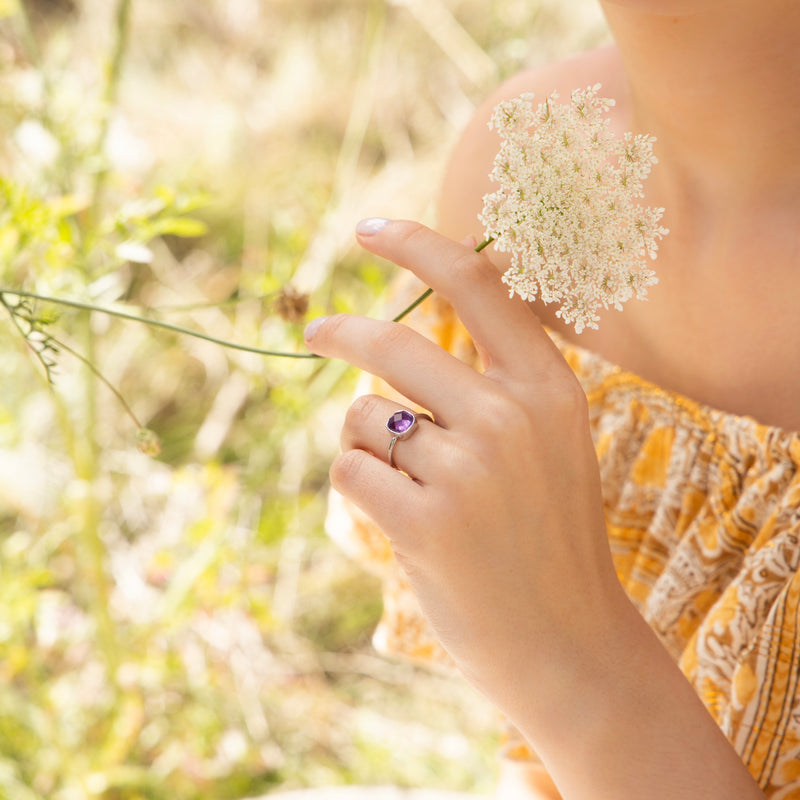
(467, 177)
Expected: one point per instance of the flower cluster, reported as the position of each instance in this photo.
(567, 208)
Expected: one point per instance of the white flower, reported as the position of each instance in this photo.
(567, 208)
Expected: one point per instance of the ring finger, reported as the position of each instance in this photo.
(373, 423)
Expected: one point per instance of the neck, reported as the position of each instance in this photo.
(718, 86)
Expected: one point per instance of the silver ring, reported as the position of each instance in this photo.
(401, 425)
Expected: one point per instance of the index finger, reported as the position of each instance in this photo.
(505, 328)
(420, 370)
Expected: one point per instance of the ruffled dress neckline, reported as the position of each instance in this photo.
(604, 382)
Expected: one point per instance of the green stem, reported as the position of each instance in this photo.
(123, 16)
(86, 452)
(102, 378)
(86, 460)
(428, 292)
(408, 309)
(157, 323)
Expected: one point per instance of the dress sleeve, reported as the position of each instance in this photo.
(403, 630)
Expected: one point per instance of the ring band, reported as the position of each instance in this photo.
(401, 425)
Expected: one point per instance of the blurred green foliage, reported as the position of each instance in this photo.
(178, 626)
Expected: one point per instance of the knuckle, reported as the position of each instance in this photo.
(362, 408)
(504, 415)
(568, 399)
(473, 267)
(468, 466)
(413, 231)
(345, 469)
(508, 418)
(390, 338)
(575, 396)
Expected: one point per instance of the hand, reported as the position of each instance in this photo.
(501, 528)
(498, 523)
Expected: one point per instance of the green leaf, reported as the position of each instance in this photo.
(66, 205)
(186, 227)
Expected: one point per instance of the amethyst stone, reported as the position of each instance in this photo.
(400, 422)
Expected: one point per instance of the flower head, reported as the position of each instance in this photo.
(567, 208)
(148, 442)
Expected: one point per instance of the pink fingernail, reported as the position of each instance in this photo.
(371, 226)
(312, 328)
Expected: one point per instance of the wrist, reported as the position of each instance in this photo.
(611, 715)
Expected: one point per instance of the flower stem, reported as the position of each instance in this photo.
(102, 378)
(428, 292)
(113, 76)
(116, 312)
(157, 323)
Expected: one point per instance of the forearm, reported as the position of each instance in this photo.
(617, 719)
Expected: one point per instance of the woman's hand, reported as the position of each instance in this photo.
(500, 528)
(498, 523)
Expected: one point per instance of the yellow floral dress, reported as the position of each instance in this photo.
(703, 517)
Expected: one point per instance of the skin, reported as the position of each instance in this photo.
(729, 177)
(504, 499)
(578, 660)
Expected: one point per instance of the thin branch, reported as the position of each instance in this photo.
(157, 323)
(115, 312)
(39, 347)
(408, 309)
(99, 375)
(114, 74)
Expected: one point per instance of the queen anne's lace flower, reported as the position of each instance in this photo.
(567, 208)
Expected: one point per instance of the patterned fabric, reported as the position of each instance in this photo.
(703, 517)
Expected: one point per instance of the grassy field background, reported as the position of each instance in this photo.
(174, 622)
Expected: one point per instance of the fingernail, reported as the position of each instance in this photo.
(371, 225)
(313, 327)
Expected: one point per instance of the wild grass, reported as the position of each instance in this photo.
(178, 626)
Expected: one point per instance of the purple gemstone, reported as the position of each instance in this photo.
(400, 422)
